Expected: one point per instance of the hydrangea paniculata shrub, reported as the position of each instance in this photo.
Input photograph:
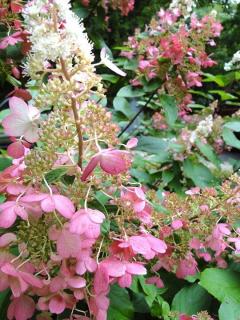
(172, 50)
(76, 222)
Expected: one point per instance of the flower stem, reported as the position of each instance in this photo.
(76, 116)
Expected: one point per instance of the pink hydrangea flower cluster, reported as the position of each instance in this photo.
(174, 52)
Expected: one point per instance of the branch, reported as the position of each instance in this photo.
(76, 116)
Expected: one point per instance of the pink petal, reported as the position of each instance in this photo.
(113, 163)
(90, 167)
(139, 244)
(34, 197)
(21, 308)
(6, 239)
(14, 126)
(76, 282)
(64, 206)
(139, 206)
(157, 244)
(18, 286)
(21, 212)
(101, 280)
(79, 222)
(136, 268)
(125, 281)
(96, 216)
(16, 150)
(48, 204)
(132, 143)
(30, 279)
(114, 268)
(69, 245)
(31, 132)
(57, 305)
(7, 218)
(18, 106)
(140, 194)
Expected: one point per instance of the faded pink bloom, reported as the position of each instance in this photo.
(69, 245)
(111, 161)
(135, 196)
(21, 308)
(112, 269)
(177, 224)
(87, 222)
(17, 280)
(52, 202)
(156, 281)
(56, 303)
(186, 267)
(193, 79)
(18, 148)
(11, 40)
(9, 211)
(99, 305)
(23, 120)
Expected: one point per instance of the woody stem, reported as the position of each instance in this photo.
(76, 116)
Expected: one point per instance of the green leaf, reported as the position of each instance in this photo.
(230, 138)
(4, 163)
(233, 125)
(152, 144)
(81, 12)
(229, 310)
(122, 105)
(198, 173)
(129, 92)
(223, 94)
(221, 283)
(4, 303)
(208, 152)
(55, 174)
(191, 300)
(110, 77)
(167, 176)
(170, 108)
(121, 308)
(105, 227)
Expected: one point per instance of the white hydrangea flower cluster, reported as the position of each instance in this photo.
(234, 63)
(185, 6)
(66, 39)
(203, 129)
